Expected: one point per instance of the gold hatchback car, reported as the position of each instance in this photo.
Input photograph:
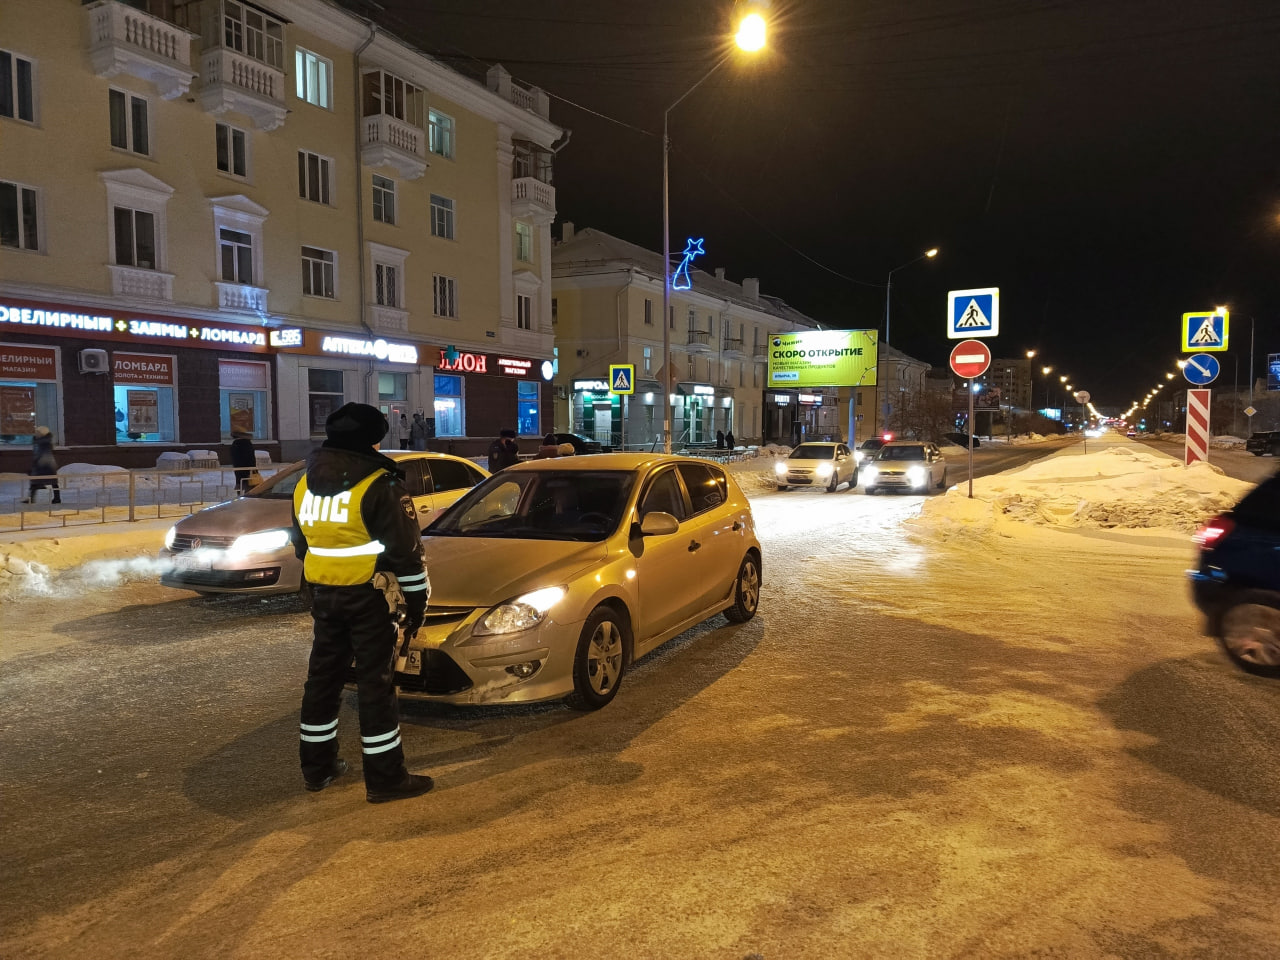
(550, 578)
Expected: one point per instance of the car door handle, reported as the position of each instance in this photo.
(694, 545)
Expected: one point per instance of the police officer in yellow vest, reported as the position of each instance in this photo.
(357, 521)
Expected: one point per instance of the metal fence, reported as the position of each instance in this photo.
(116, 494)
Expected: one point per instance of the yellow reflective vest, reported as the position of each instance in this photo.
(340, 552)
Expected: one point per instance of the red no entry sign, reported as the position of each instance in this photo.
(970, 359)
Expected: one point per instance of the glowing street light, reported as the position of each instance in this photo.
(751, 33)
(888, 286)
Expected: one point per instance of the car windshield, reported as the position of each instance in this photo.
(873, 444)
(813, 451)
(901, 453)
(540, 505)
(280, 486)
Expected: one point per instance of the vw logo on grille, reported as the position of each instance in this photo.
(195, 543)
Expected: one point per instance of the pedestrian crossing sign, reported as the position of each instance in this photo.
(973, 313)
(622, 378)
(1202, 332)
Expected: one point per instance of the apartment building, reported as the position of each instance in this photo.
(607, 309)
(219, 214)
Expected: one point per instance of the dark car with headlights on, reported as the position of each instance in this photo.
(1264, 442)
(1236, 583)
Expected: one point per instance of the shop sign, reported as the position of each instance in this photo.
(697, 389)
(55, 319)
(46, 319)
(287, 337)
(814, 398)
(823, 358)
(144, 411)
(465, 362)
(781, 399)
(142, 368)
(590, 386)
(517, 368)
(377, 349)
(17, 410)
(18, 362)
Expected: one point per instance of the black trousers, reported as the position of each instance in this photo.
(352, 622)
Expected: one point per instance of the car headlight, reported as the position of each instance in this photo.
(824, 470)
(857, 456)
(780, 467)
(917, 475)
(266, 542)
(870, 472)
(522, 613)
(168, 537)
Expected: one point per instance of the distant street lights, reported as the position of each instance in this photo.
(888, 286)
(750, 37)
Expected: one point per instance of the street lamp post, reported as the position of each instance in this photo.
(751, 38)
(888, 286)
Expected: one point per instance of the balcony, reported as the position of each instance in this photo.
(733, 347)
(389, 142)
(699, 341)
(129, 41)
(533, 99)
(388, 319)
(758, 351)
(141, 284)
(239, 296)
(232, 81)
(533, 199)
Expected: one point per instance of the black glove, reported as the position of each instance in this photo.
(415, 611)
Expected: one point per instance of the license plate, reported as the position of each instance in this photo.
(182, 562)
(410, 664)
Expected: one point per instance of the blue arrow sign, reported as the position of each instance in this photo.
(1201, 368)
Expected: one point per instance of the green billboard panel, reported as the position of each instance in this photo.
(823, 358)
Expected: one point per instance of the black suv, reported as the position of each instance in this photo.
(1260, 444)
(1237, 582)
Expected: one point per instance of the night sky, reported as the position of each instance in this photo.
(1109, 164)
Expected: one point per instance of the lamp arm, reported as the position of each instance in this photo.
(716, 66)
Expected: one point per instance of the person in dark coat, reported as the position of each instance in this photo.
(729, 442)
(43, 465)
(504, 452)
(549, 447)
(719, 439)
(244, 458)
(418, 432)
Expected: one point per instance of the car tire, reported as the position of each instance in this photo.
(853, 481)
(781, 486)
(870, 491)
(746, 591)
(600, 660)
(1249, 632)
(942, 484)
(835, 481)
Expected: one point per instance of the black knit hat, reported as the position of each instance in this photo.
(355, 426)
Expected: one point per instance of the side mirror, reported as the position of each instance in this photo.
(658, 524)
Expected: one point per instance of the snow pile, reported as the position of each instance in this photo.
(84, 559)
(1226, 442)
(1121, 487)
(756, 474)
(1032, 438)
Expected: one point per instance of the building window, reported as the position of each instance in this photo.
(314, 172)
(19, 217)
(440, 134)
(524, 242)
(235, 249)
(317, 272)
(135, 238)
(693, 367)
(243, 388)
(441, 217)
(386, 285)
(142, 391)
(314, 77)
(444, 291)
(693, 319)
(30, 399)
(387, 94)
(524, 312)
(232, 149)
(384, 199)
(250, 32)
(129, 122)
(324, 395)
(448, 406)
(648, 311)
(648, 359)
(527, 408)
(555, 311)
(17, 87)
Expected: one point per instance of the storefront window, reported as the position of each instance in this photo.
(324, 395)
(393, 386)
(449, 409)
(28, 392)
(144, 414)
(527, 408)
(243, 388)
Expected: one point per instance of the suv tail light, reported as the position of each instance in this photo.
(1213, 531)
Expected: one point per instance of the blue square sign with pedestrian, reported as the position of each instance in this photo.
(973, 313)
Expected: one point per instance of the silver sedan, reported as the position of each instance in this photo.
(818, 465)
(911, 465)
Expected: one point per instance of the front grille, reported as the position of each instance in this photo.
(438, 616)
(261, 577)
(189, 541)
(440, 675)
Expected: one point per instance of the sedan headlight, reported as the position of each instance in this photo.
(917, 476)
(168, 537)
(780, 467)
(824, 470)
(869, 473)
(522, 613)
(266, 542)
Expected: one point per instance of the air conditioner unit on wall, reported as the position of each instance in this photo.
(94, 361)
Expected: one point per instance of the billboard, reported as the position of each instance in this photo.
(1273, 371)
(823, 358)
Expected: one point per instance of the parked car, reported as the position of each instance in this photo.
(1236, 583)
(551, 578)
(1263, 443)
(243, 545)
(818, 464)
(1131, 434)
(962, 440)
(867, 449)
(582, 444)
(906, 465)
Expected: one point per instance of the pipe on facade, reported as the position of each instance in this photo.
(359, 169)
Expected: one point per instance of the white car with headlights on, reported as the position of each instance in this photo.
(818, 465)
(911, 465)
(550, 578)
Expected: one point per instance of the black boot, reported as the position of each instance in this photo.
(413, 785)
(338, 769)
(57, 497)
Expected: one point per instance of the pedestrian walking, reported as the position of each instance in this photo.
(244, 459)
(418, 432)
(44, 468)
(357, 532)
(719, 439)
(504, 451)
(729, 442)
(549, 447)
(403, 432)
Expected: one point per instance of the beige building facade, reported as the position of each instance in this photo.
(218, 215)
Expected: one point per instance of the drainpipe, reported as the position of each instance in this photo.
(359, 168)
